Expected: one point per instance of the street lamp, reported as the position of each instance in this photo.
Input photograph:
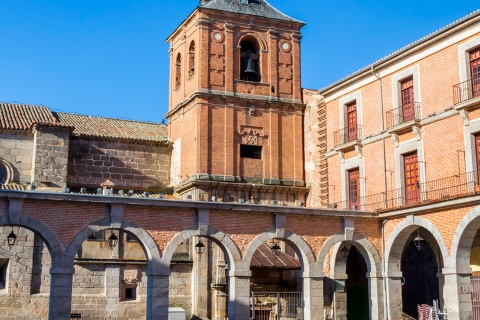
(11, 238)
(276, 248)
(112, 240)
(418, 241)
(344, 252)
(200, 247)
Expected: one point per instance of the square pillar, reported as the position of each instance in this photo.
(239, 295)
(312, 297)
(60, 304)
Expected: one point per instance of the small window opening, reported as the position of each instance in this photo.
(3, 273)
(130, 293)
(130, 238)
(251, 152)
(249, 62)
(273, 89)
(178, 71)
(97, 236)
(191, 60)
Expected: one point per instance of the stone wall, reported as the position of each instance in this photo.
(51, 156)
(180, 292)
(16, 149)
(128, 165)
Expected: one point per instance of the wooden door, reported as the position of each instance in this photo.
(412, 178)
(408, 106)
(354, 189)
(352, 121)
(475, 72)
(477, 156)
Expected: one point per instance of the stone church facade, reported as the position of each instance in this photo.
(259, 199)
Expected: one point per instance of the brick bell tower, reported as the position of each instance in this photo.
(235, 112)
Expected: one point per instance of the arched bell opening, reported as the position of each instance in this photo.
(250, 60)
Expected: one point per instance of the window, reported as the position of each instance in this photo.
(477, 156)
(412, 178)
(130, 238)
(191, 59)
(131, 293)
(407, 98)
(252, 152)
(249, 61)
(352, 121)
(97, 236)
(3, 274)
(475, 71)
(178, 71)
(354, 189)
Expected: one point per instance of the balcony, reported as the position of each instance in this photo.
(466, 94)
(433, 191)
(403, 116)
(347, 136)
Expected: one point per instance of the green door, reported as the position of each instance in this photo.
(357, 303)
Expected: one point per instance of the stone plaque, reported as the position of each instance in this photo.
(130, 276)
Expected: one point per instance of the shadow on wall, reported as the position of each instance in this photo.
(128, 165)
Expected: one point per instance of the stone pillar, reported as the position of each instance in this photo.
(239, 295)
(375, 290)
(157, 290)
(458, 300)
(340, 297)
(394, 294)
(112, 286)
(200, 282)
(312, 296)
(60, 293)
(50, 158)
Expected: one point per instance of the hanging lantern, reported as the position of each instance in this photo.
(344, 252)
(11, 238)
(112, 240)
(200, 247)
(276, 248)
(418, 241)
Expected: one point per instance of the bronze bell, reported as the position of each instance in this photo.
(250, 67)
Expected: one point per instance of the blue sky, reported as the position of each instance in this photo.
(109, 57)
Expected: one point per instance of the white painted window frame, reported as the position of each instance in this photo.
(464, 57)
(402, 149)
(347, 166)
(469, 137)
(397, 79)
(357, 97)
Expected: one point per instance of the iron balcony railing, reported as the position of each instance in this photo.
(403, 114)
(347, 135)
(466, 90)
(431, 191)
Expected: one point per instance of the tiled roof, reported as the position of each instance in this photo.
(113, 128)
(264, 257)
(403, 50)
(22, 117)
(259, 8)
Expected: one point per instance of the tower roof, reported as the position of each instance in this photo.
(260, 8)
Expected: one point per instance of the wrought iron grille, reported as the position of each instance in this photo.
(347, 135)
(276, 306)
(403, 114)
(466, 90)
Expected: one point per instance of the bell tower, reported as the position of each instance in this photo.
(235, 109)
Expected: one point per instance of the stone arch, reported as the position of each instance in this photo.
(152, 252)
(6, 172)
(239, 37)
(372, 259)
(366, 248)
(298, 244)
(47, 235)
(463, 240)
(394, 249)
(401, 233)
(227, 245)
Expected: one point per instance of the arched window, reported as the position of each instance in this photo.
(178, 70)
(191, 58)
(249, 62)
